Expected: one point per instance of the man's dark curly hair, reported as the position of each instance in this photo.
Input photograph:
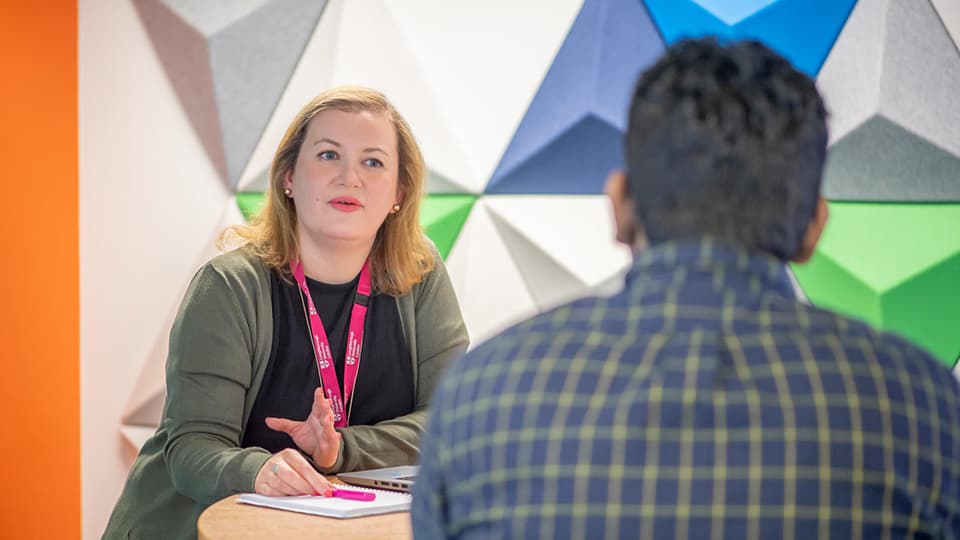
(726, 140)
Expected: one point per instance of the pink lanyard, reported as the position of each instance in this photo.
(321, 345)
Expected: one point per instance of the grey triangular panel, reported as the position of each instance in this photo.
(184, 55)
(251, 62)
(881, 161)
(921, 74)
(437, 183)
(258, 183)
(547, 281)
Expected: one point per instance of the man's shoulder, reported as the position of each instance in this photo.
(856, 341)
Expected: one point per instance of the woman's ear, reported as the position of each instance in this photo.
(622, 203)
(814, 230)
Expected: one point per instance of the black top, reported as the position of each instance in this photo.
(384, 387)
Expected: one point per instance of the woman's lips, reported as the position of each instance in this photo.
(345, 204)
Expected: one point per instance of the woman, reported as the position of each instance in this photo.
(317, 344)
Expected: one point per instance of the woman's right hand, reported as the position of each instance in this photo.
(289, 473)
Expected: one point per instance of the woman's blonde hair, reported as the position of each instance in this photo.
(400, 256)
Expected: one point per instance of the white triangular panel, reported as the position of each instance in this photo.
(548, 281)
(145, 405)
(484, 80)
(491, 291)
(850, 77)
(576, 231)
(372, 53)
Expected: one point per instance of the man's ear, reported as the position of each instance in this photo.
(623, 212)
(814, 230)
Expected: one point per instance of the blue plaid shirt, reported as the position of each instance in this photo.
(704, 401)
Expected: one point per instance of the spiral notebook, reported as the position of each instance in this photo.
(385, 503)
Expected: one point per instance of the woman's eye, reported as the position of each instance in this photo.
(373, 162)
(327, 154)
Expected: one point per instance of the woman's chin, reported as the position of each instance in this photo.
(345, 236)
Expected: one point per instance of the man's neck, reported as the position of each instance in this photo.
(332, 261)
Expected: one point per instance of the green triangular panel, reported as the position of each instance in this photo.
(896, 266)
(249, 204)
(442, 218)
(829, 285)
(884, 244)
(926, 309)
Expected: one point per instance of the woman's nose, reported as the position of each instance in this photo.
(350, 175)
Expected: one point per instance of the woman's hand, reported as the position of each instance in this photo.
(289, 473)
(315, 435)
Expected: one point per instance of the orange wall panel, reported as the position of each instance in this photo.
(39, 285)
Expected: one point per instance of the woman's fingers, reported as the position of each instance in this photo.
(288, 473)
(282, 424)
(318, 484)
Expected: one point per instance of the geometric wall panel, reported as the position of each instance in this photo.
(229, 63)
(882, 161)
(144, 407)
(949, 11)
(801, 30)
(442, 218)
(895, 266)
(518, 255)
(250, 203)
(890, 84)
(462, 88)
(571, 136)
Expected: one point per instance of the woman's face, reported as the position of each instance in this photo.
(345, 180)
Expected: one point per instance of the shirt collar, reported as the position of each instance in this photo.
(707, 257)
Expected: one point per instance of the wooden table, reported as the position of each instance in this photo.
(228, 519)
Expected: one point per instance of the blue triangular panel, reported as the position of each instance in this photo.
(801, 30)
(592, 75)
(631, 43)
(576, 161)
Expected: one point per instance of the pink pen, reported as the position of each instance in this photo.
(354, 495)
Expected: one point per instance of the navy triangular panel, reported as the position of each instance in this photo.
(802, 30)
(598, 63)
(576, 161)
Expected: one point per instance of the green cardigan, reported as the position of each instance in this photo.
(219, 346)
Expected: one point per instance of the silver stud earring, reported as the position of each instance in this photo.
(396, 208)
(287, 191)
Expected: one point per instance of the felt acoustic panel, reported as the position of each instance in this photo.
(571, 135)
(462, 86)
(141, 416)
(517, 255)
(890, 84)
(894, 266)
(443, 216)
(801, 30)
(949, 11)
(229, 63)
